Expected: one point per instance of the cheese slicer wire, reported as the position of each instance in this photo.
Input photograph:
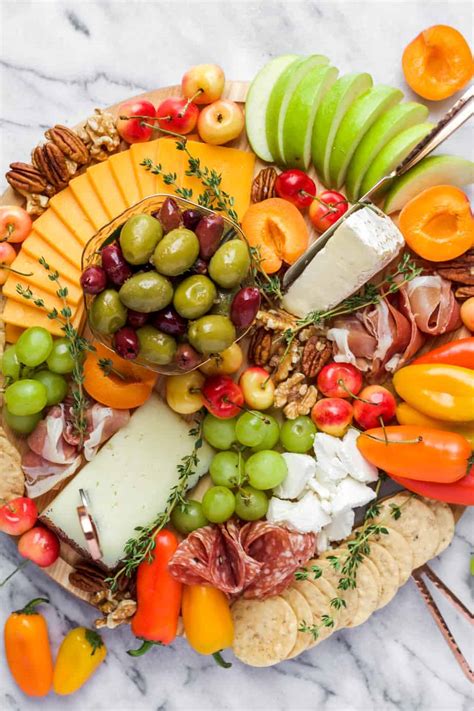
(459, 113)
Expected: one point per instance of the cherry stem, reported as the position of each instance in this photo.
(14, 271)
(10, 231)
(14, 572)
(189, 102)
(385, 440)
(246, 409)
(342, 385)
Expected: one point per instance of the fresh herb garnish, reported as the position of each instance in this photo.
(314, 629)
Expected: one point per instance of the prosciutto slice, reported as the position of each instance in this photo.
(42, 475)
(102, 423)
(47, 439)
(433, 304)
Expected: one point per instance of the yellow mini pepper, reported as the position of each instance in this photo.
(207, 619)
(407, 415)
(81, 652)
(443, 392)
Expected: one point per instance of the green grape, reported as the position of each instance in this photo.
(219, 433)
(218, 504)
(298, 435)
(60, 359)
(11, 366)
(26, 397)
(21, 424)
(227, 469)
(189, 516)
(250, 504)
(266, 469)
(55, 384)
(34, 346)
(272, 434)
(250, 429)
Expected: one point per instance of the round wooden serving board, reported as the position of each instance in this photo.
(237, 91)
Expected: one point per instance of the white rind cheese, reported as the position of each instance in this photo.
(129, 480)
(360, 247)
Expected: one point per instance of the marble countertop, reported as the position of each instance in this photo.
(58, 60)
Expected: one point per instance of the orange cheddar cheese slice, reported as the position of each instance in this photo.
(32, 250)
(108, 191)
(124, 174)
(86, 196)
(236, 168)
(12, 333)
(23, 316)
(71, 213)
(53, 231)
(172, 161)
(50, 300)
(145, 179)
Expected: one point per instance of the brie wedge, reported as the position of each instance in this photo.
(362, 245)
(129, 480)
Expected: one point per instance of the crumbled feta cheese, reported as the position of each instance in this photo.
(340, 527)
(305, 515)
(357, 466)
(301, 468)
(326, 449)
(350, 494)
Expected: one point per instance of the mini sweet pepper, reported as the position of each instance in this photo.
(81, 652)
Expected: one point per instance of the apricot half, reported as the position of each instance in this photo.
(437, 63)
(277, 229)
(437, 224)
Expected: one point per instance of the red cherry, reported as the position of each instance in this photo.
(222, 397)
(39, 545)
(327, 209)
(332, 415)
(339, 380)
(175, 114)
(374, 404)
(18, 516)
(132, 130)
(292, 185)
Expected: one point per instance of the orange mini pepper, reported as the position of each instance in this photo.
(27, 649)
(207, 619)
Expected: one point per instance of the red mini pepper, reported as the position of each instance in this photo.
(458, 492)
(459, 353)
(158, 596)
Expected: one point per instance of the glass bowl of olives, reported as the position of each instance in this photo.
(169, 283)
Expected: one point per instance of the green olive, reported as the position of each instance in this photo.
(146, 292)
(139, 237)
(211, 333)
(177, 251)
(107, 313)
(230, 264)
(222, 302)
(194, 296)
(156, 346)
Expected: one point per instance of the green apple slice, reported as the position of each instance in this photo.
(390, 124)
(359, 118)
(300, 114)
(329, 115)
(433, 170)
(256, 103)
(393, 154)
(280, 98)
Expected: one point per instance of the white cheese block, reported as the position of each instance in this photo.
(362, 245)
(129, 480)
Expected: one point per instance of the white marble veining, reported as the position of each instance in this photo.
(59, 60)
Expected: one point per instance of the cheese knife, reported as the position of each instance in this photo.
(459, 113)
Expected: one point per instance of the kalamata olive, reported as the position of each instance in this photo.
(93, 280)
(170, 215)
(186, 357)
(136, 319)
(126, 343)
(209, 232)
(170, 322)
(191, 218)
(113, 261)
(244, 307)
(199, 266)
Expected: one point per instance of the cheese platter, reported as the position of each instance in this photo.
(221, 431)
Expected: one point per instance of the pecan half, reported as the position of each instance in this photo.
(69, 143)
(260, 347)
(263, 186)
(464, 292)
(25, 178)
(459, 274)
(51, 162)
(316, 353)
(88, 577)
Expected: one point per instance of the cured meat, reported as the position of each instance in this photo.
(433, 304)
(42, 476)
(102, 423)
(258, 559)
(47, 439)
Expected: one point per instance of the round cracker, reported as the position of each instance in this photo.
(350, 597)
(304, 616)
(265, 631)
(388, 570)
(416, 523)
(12, 479)
(319, 605)
(399, 548)
(368, 587)
(445, 520)
(328, 589)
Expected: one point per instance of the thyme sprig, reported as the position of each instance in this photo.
(315, 630)
(78, 346)
(139, 549)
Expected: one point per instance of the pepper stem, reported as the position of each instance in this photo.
(94, 639)
(220, 661)
(30, 608)
(145, 646)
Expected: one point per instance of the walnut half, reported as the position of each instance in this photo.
(295, 396)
